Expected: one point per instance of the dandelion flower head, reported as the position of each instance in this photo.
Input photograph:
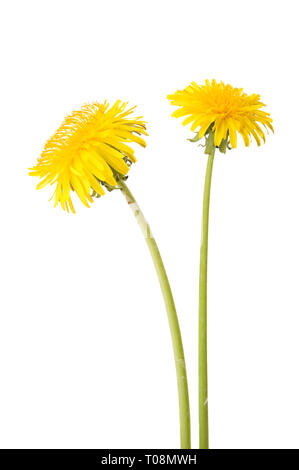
(224, 110)
(89, 152)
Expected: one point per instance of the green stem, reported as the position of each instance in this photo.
(172, 318)
(202, 319)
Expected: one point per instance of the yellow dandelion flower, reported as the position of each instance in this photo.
(89, 151)
(223, 109)
(217, 112)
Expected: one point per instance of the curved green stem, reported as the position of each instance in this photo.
(202, 323)
(172, 318)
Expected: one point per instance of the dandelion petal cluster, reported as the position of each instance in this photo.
(91, 149)
(228, 109)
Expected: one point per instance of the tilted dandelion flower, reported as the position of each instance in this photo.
(90, 151)
(224, 110)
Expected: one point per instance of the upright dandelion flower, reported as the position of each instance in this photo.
(90, 152)
(223, 111)
(216, 112)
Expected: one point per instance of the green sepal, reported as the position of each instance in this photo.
(209, 141)
(210, 146)
(224, 145)
(195, 139)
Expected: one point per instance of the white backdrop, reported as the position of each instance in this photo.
(85, 352)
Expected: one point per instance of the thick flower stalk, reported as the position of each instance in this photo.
(217, 113)
(90, 152)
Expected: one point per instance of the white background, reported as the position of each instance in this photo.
(85, 351)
